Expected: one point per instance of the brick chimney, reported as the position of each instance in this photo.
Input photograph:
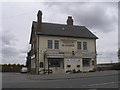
(39, 21)
(69, 20)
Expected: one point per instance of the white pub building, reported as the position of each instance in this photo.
(60, 48)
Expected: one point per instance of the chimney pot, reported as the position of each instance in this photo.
(39, 16)
(69, 16)
(39, 21)
(69, 20)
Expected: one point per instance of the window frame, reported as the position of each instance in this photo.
(54, 63)
(84, 45)
(84, 62)
(56, 44)
(79, 45)
(50, 44)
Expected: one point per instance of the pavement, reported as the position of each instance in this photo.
(72, 76)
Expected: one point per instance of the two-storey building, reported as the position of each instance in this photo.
(59, 48)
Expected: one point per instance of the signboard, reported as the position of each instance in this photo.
(55, 55)
(73, 60)
(68, 42)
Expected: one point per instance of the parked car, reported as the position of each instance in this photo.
(24, 70)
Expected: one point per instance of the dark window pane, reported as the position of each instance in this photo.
(49, 44)
(68, 65)
(84, 45)
(93, 63)
(56, 44)
(86, 62)
(54, 62)
(78, 65)
(79, 46)
(41, 64)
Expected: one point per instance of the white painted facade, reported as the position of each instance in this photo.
(67, 58)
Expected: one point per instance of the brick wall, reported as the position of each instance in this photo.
(104, 68)
(11, 68)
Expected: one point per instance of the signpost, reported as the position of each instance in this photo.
(73, 60)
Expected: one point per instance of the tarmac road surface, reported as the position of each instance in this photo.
(18, 80)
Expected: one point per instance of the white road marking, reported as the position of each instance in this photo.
(102, 83)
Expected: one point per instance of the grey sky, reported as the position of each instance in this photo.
(100, 18)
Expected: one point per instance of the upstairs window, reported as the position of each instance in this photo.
(79, 46)
(50, 44)
(84, 45)
(56, 44)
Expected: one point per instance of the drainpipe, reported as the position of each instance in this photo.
(38, 57)
(95, 55)
(44, 60)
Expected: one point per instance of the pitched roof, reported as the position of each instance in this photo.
(65, 30)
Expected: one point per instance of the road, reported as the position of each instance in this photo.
(17, 80)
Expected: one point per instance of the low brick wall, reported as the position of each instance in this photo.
(11, 68)
(104, 68)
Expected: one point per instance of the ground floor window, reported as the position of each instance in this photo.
(93, 63)
(41, 64)
(78, 66)
(54, 62)
(68, 65)
(86, 62)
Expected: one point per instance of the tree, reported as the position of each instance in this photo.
(9, 65)
(18, 64)
(14, 64)
(4, 65)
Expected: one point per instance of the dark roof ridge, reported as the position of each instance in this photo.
(58, 24)
(62, 30)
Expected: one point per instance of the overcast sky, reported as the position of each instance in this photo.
(100, 18)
